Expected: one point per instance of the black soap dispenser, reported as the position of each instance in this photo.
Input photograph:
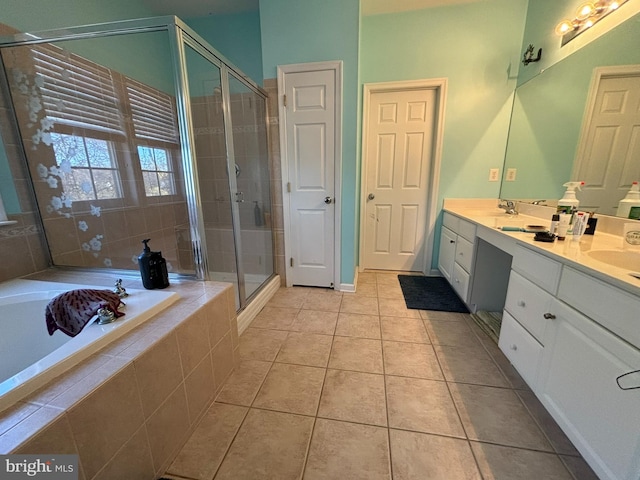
(153, 268)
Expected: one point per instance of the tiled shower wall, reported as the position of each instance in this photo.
(22, 245)
(275, 167)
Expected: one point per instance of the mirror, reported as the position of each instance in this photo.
(548, 115)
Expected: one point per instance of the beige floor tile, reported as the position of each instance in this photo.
(366, 277)
(497, 415)
(291, 297)
(365, 290)
(359, 304)
(315, 321)
(354, 396)
(419, 456)
(325, 301)
(359, 354)
(390, 291)
(202, 454)
(243, 385)
(422, 405)
(387, 278)
(291, 388)
(303, 348)
(469, 365)
(447, 332)
(348, 451)
(436, 315)
(411, 360)
(269, 445)
(403, 330)
(276, 318)
(396, 307)
(356, 325)
(258, 344)
(505, 463)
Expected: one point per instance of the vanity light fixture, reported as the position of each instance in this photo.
(587, 15)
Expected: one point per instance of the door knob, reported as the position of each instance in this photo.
(371, 196)
(328, 200)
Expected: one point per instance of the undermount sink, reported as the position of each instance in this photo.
(618, 258)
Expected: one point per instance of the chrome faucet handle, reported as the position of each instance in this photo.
(120, 290)
(537, 202)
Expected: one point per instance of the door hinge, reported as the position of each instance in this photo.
(288, 187)
(284, 100)
(291, 262)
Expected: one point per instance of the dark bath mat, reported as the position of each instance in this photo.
(430, 293)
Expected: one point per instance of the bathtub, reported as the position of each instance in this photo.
(29, 357)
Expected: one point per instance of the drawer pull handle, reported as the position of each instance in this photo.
(549, 316)
(514, 347)
(521, 303)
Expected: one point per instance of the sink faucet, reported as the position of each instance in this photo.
(508, 206)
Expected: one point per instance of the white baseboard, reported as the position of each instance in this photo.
(246, 316)
(347, 287)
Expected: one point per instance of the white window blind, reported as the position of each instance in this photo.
(154, 113)
(76, 91)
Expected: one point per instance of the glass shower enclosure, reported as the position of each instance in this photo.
(140, 129)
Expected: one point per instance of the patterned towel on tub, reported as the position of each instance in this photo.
(71, 311)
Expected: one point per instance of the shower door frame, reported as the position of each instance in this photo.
(179, 36)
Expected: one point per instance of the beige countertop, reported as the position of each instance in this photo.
(570, 252)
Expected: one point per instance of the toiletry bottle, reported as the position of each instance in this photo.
(153, 268)
(257, 214)
(569, 200)
(555, 220)
(591, 224)
(631, 200)
(144, 262)
(563, 225)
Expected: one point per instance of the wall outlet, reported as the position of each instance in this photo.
(511, 175)
(494, 174)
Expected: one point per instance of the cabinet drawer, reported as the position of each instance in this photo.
(522, 350)
(541, 270)
(614, 309)
(460, 281)
(467, 230)
(450, 221)
(528, 303)
(464, 253)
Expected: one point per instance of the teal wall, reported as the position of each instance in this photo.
(237, 37)
(295, 31)
(476, 46)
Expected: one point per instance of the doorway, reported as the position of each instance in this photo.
(401, 150)
(310, 103)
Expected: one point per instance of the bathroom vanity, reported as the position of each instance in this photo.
(571, 324)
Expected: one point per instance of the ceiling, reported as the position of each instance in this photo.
(201, 8)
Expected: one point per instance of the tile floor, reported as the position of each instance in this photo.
(355, 386)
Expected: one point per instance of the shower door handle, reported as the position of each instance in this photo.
(239, 197)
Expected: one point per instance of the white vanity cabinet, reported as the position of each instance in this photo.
(571, 336)
(455, 258)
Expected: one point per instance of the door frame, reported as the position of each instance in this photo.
(440, 86)
(283, 70)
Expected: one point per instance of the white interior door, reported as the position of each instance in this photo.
(608, 160)
(309, 129)
(397, 160)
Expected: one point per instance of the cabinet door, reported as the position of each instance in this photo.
(447, 253)
(577, 384)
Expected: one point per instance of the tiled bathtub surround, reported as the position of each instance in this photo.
(128, 409)
(334, 385)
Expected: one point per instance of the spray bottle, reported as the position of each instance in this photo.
(631, 200)
(569, 202)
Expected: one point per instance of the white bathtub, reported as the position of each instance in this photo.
(29, 357)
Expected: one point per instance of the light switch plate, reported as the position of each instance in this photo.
(511, 175)
(494, 174)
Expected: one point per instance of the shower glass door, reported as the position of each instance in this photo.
(248, 125)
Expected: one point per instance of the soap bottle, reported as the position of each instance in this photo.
(631, 200)
(569, 202)
(153, 268)
(257, 215)
(555, 220)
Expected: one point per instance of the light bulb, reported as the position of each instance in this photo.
(585, 11)
(614, 5)
(588, 24)
(564, 27)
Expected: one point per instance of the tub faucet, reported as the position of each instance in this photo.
(508, 206)
(120, 290)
